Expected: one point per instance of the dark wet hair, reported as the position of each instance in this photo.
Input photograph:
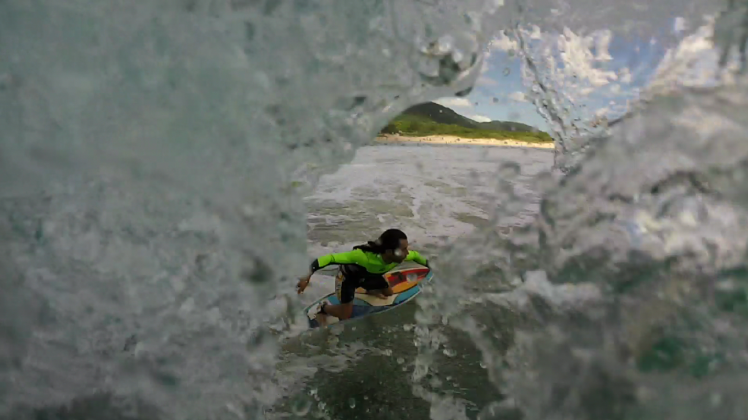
(388, 240)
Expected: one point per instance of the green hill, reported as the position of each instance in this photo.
(430, 119)
(507, 126)
(439, 114)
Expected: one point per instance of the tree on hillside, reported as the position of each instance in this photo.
(389, 129)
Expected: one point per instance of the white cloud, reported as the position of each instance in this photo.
(517, 96)
(624, 75)
(486, 81)
(585, 91)
(579, 63)
(454, 102)
(479, 118)
(694, 62)
(578, 59)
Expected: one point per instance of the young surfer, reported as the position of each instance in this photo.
(363, 267)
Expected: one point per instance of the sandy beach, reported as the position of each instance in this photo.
(394, 138)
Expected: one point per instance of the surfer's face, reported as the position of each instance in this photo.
(398, 255)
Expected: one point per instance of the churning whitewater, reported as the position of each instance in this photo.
(169, 168)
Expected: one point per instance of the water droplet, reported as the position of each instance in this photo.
(450, 352)
(301, 407)
(474, 20)
(352, 402)
(387, 352)
(419, 372)
(492, 411)
(444, 44)
(506, 71)
(482, 365)
(321, 405)
(400, 360)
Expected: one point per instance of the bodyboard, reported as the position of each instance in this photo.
(403, 277)
(405, 282)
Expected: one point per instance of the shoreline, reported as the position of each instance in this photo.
(454, 140)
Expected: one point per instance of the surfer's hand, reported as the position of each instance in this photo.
(302, 284)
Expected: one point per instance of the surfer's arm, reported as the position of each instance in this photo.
(418, 258)
(350, 257)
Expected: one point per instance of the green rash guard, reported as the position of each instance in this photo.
(370, 261)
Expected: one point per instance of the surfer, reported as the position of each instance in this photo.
(363, 267)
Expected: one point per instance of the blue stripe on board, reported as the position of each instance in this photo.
(406, 295)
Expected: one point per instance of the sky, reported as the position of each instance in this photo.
(597, 71)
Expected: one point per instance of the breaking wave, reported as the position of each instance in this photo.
(154, 157)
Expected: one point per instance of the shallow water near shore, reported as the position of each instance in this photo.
(459, 141)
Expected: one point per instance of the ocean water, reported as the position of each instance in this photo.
(167, 169)
(365, 369)
(419, 187)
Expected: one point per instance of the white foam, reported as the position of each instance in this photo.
(447, 189)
